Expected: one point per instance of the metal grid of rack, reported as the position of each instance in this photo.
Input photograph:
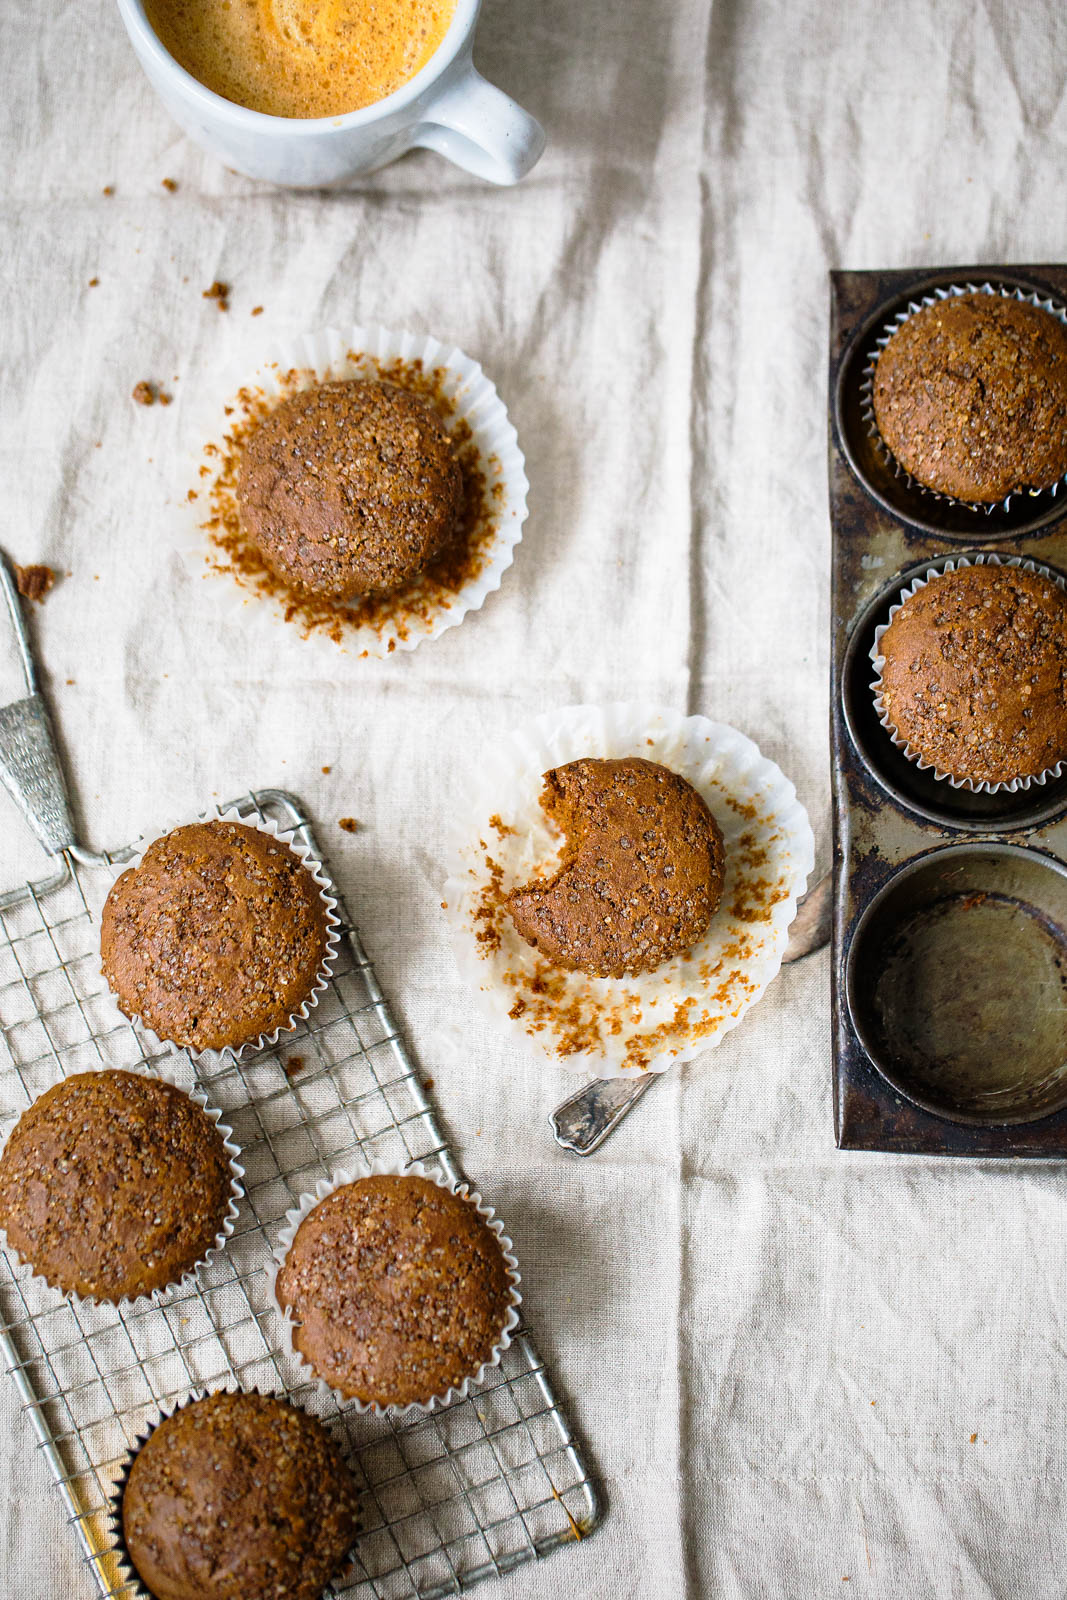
(471, 1490)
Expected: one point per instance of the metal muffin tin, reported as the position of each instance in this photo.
(950, 908)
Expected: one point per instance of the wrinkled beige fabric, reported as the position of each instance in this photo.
(777, 1354)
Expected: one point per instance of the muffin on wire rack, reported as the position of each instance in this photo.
(235, 1496)
(220, 935)
(115, 1185)
(397, 1289)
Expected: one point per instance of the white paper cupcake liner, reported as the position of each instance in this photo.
(285, 836)
(867, 391)
(363, 352)
(24, 1269)
(613, 1027)
(878, 662)
(381, 1169)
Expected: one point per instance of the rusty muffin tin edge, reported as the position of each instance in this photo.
(942, 899)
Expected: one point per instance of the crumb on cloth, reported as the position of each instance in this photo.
(348, 824)
(220, 293)
(34, 582)
(147, 394)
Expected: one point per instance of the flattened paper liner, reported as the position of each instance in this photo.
(611, 1027)
(284, 836)
(867, 391)
(364, 352)
(24, 1269)
(878, 661)
(381, 1169)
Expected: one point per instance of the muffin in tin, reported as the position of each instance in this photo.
(238, 1497)
(216, 937)
(114, 1185)
(970, 396)
(398, 1290)
(642, 869)
(350, 488)
(972, 671)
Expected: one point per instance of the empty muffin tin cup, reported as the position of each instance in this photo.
(956, 983)
(867, 390)
(933, 572)
(382, 1169)
(314, 868)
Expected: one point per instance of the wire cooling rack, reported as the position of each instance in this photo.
(474, 1489)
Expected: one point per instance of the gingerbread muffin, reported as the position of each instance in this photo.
(970, 395)
(350, 489)
(641, 875)
(113, 1185)
(975, 673)
(398, 1289)
(216, 937)
(238, 1497)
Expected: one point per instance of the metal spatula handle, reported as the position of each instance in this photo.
(29, 764)
(584, 1120)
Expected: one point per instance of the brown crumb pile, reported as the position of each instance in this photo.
(147, 394)
(33, 583)
(348, 824)
(220, 293)
(170, 185)
(434, 590)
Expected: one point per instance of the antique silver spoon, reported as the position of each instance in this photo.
(584, 1120)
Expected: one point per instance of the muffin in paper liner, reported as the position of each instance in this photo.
(221, 558)
(131, 1578)
(867, 391)
(313, 867)
(381, 1169)
(25, 1270)
(613, 1027)
(936, 570)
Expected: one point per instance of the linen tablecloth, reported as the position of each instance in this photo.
(794, 1369)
